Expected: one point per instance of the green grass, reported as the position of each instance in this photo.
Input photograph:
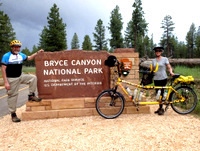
(28, 69)
(187, 71)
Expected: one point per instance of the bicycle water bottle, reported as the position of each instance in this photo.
(140, 96)
(165, 95)
(129, 91)
(158, 95)
(135, 94)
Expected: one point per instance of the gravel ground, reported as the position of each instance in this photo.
(127, 132)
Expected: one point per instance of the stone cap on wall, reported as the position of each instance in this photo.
(124, 50)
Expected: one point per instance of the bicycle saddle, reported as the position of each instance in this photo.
(176, 76)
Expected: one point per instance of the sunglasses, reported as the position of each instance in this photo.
(158, 50)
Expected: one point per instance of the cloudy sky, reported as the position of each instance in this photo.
(29, 17)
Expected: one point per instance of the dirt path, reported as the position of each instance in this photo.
(127, 132)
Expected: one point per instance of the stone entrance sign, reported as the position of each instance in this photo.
(73, 73)
(70, 81)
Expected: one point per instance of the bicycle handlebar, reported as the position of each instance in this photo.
(145, 72)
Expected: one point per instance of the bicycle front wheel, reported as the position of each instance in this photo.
(186, 106)
(110, 104)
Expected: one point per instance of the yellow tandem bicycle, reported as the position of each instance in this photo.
(110, 103)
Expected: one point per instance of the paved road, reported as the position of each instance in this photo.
(22, 98)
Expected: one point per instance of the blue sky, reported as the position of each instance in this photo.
(29, 17)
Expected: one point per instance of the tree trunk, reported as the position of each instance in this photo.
(174, 62)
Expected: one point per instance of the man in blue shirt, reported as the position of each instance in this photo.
(11, 69)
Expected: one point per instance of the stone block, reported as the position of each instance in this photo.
(33, 103)
(90, 100)
(133, 110)
(89, 105)
(126, 55)
(41, 103)
(39, 115)
(137, 61)
(75, 112)
(48, 108)
(38, 108)
(124, 50)
(70, 103)
(132, 60)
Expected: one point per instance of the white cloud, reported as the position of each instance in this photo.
(183, 14)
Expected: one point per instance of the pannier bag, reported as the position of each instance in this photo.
(184, 80)
(110, 61)
(147, 79)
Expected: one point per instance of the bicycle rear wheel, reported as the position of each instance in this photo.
(190, 100)
(110, 104)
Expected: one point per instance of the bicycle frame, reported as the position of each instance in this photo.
(137, 102)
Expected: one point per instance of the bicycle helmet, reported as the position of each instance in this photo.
(15, 43)
(110, 61)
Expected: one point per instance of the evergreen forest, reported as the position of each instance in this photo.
(136, 35)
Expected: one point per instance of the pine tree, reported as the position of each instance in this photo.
(87, 45)
(190, 38)
(174, 46)
(75, 42)
(136, 28)
(116, 26)
(53, 37)
(129, 36)
(181, 50)
(146, 44)
(152, 45)
(34, 50)
(7, 33)
(28, 53)
(167, 25)
(43, 39)
(197, 42)
(99, 36)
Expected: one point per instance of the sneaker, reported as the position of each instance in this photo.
(15, 118)
(157, 111)
(161, 111)
(32, 97)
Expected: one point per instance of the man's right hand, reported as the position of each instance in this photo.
(7, 86)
